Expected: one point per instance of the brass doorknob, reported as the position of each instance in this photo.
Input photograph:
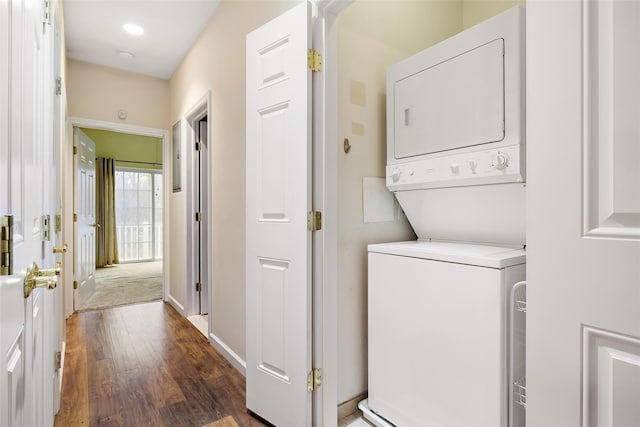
(35, 280)
(51, 272)
(95, 225)
(60, 249)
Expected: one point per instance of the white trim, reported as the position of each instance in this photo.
(226, 352)
(200, 109)
(326, 161)
(350, 407)
(175, 304)
(63, 351)
(68, 226)
(166, 153)
(119, 127)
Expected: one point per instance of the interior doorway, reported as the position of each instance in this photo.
(128, 219)
(199, 210)
(134, 270)
(200, 183)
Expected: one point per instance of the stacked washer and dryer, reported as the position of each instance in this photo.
(444, 346)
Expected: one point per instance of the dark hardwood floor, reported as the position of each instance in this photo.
(145, 365)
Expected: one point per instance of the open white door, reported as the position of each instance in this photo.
(278, 265)
(85, 208)
(26, 353)
(583, 218)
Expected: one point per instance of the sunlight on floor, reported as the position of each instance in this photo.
(201, 322)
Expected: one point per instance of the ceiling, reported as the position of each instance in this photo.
(94, 33)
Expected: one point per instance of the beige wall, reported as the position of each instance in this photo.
(371, 36)
(216, 62)
(97, 92)
(476, 11)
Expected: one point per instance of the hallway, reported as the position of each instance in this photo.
(145, 365)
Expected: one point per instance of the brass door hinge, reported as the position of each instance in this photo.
(75, 149)
(57, 360)
(198, 216)
(6, 245)
(198, 287)
(314, 60)
(75, 284)
(46, 12)
(314, 379)
(314, 220)
(75, 217)
(198, 146)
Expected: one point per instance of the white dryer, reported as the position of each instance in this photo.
(439, 332)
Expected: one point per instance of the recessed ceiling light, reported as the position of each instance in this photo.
(126, 54)
(134, 29)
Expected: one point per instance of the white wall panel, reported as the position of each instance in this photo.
(611, 379)
(272, 155)
(273, 314)
(611, 32)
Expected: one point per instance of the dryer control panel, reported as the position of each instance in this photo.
(493, 166)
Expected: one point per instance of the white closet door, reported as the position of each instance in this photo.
(278, 265)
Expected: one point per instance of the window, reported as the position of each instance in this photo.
(139, 215)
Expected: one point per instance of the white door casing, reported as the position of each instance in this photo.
(57, 326)
(583, 218)
(198, 233)
(201, 187)
(278, 245)
(85, 208)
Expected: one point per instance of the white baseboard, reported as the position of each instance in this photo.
(63, 350)
(226, 352)
(175, 304)
(350, 406)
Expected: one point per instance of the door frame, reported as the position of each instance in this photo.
(199, 110)
(325, 199)
(68, 183)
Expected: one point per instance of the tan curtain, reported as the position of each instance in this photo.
(106, 245)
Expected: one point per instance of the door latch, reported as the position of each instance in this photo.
(46, 228)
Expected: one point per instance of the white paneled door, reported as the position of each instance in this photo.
(583, 213)
(28, 190)
(85, 208)
(278, 264)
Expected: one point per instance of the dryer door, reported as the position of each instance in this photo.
(454, 104)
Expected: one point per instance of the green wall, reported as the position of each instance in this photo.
(124, 146)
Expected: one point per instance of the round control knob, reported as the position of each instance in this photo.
(473, 166)
(395, 175)
(501, 161)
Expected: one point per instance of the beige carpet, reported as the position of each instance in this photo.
(126, 284)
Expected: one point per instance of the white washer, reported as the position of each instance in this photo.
(438, 310)
(439, 332)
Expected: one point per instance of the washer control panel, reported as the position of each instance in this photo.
(500, 165)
